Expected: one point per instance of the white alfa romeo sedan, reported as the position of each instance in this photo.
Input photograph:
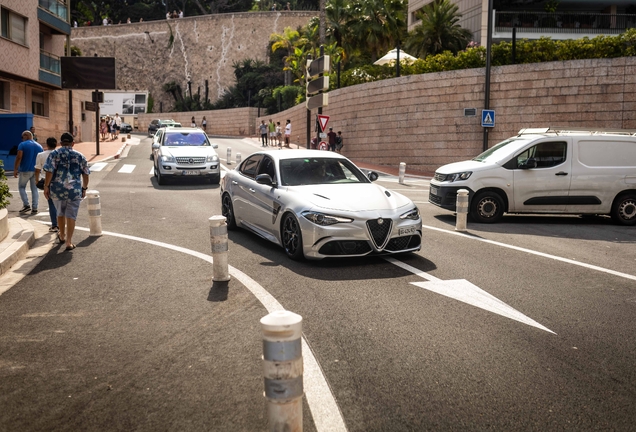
(318, 204)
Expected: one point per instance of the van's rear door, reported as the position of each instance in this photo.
(544, 188)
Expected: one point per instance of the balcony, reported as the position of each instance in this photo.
(50, 71)
(54, 14)
(559, 25)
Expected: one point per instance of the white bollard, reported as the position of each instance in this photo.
(462, 210)
(238, 158)
(402, 172)
(218, 241)
(283, 370)
(94, 213)
(228, 159)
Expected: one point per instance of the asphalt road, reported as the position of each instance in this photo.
(524, 325)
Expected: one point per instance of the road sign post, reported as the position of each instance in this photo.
(315, 87)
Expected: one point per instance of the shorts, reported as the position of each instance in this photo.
(66, 208)
(272, 134)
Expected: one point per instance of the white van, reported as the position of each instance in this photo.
(549, 170)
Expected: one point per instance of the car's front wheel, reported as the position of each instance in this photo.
(227, 210)
(487, 207)
(160, 178)
(292, 237)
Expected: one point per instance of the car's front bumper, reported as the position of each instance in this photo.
(445, 196)
(356, 238)
(210, 169)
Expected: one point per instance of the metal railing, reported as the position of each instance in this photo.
(564, 22)
(57, 8)
(50, 62)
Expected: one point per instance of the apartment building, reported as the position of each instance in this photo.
(32, 40)
(564, 19)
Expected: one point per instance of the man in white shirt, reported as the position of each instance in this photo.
(117, 121)
(105, 21)
(40, 160)
(287, 133)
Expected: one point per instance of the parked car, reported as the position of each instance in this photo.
(318, 204)
(125, 128)
(185, 152)
(156, 124)
(546, 171)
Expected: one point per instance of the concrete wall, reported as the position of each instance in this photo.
(202, 48)
(230, 122)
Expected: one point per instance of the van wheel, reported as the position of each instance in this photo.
(487, 207)
(624, 209)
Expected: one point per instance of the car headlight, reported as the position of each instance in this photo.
(412, 214)
(458, 176)
(212, 158)
(325, 219)
(167, 158)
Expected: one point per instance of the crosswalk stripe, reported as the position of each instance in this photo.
(127, 169)
(98, 166)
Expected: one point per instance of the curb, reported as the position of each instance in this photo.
(20, 238)
(118, 154)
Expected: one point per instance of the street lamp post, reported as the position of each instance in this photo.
(488, 55)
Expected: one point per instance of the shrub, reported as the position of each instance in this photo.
(4, 188)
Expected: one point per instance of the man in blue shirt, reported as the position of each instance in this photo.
(25, 167)
(65, 183)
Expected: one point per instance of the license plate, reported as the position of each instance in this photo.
(407, 231)
(434, 190)
(192, 172)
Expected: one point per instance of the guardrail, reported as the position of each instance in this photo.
(55, 7)
(50, 62)
(564, 22)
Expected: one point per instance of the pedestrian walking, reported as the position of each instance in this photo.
(339, 142)
(288, 131)
(24, 166)
(279, 134)
(263, 131)
(193, 123)
(103, 129)
(35, 137)
(332, 140)
(51, 143)
(204, 123)
(117, 124)
(66, 183)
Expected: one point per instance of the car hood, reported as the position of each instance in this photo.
(457, 167)
(352, 197)
(182, 151)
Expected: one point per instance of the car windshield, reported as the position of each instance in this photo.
(501, 150)
(312, 171)
(186, 139)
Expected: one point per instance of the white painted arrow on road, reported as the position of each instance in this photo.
(466, 292)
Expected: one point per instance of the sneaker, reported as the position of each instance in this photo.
(25, 209)
(34, 211)
(54, 229)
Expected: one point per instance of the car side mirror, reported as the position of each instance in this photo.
(265, 179)
(373, 176)
(528, 163)
(156, 146)
(215, 146)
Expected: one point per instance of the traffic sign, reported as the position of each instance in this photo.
(323, 146)
(317, 85)
(488, 118)
(318, 66)
(320, 100)
(322, 121)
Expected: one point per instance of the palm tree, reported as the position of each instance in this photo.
(289, 40)
(438, 31)
(378, 24)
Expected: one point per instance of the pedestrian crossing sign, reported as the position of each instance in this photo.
(488, 118)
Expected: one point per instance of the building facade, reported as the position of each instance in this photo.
(565, 19)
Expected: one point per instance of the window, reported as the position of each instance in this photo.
(5, 100)
(39, 103)
(547, 154)
(14, 26)
(267, 167)
(248, 168)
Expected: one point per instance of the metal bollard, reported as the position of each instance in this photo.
(218, 241)
(228, 159)
(94, 213)
(283, 370)
(462, 209)
(238, 158)
(402, 171)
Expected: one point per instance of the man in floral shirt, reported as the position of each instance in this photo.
(66, 183)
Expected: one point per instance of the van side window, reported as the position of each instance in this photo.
(546, 154)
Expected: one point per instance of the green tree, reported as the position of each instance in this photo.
(378, 25)
(438, 31)
(4, 188)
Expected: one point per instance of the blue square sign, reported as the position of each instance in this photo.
(488, 118)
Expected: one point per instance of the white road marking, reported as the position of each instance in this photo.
(532, 252)
(152, 171)
(324, 409)
(127, 169)
(98, 166)
(469, 293)
(421, 202)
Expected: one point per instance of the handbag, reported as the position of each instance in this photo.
(40, 184)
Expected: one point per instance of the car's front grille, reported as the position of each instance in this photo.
(435, 199)
(190, 160)
(439, 177)
(403, 243)
(379, 230)
(345, 247)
